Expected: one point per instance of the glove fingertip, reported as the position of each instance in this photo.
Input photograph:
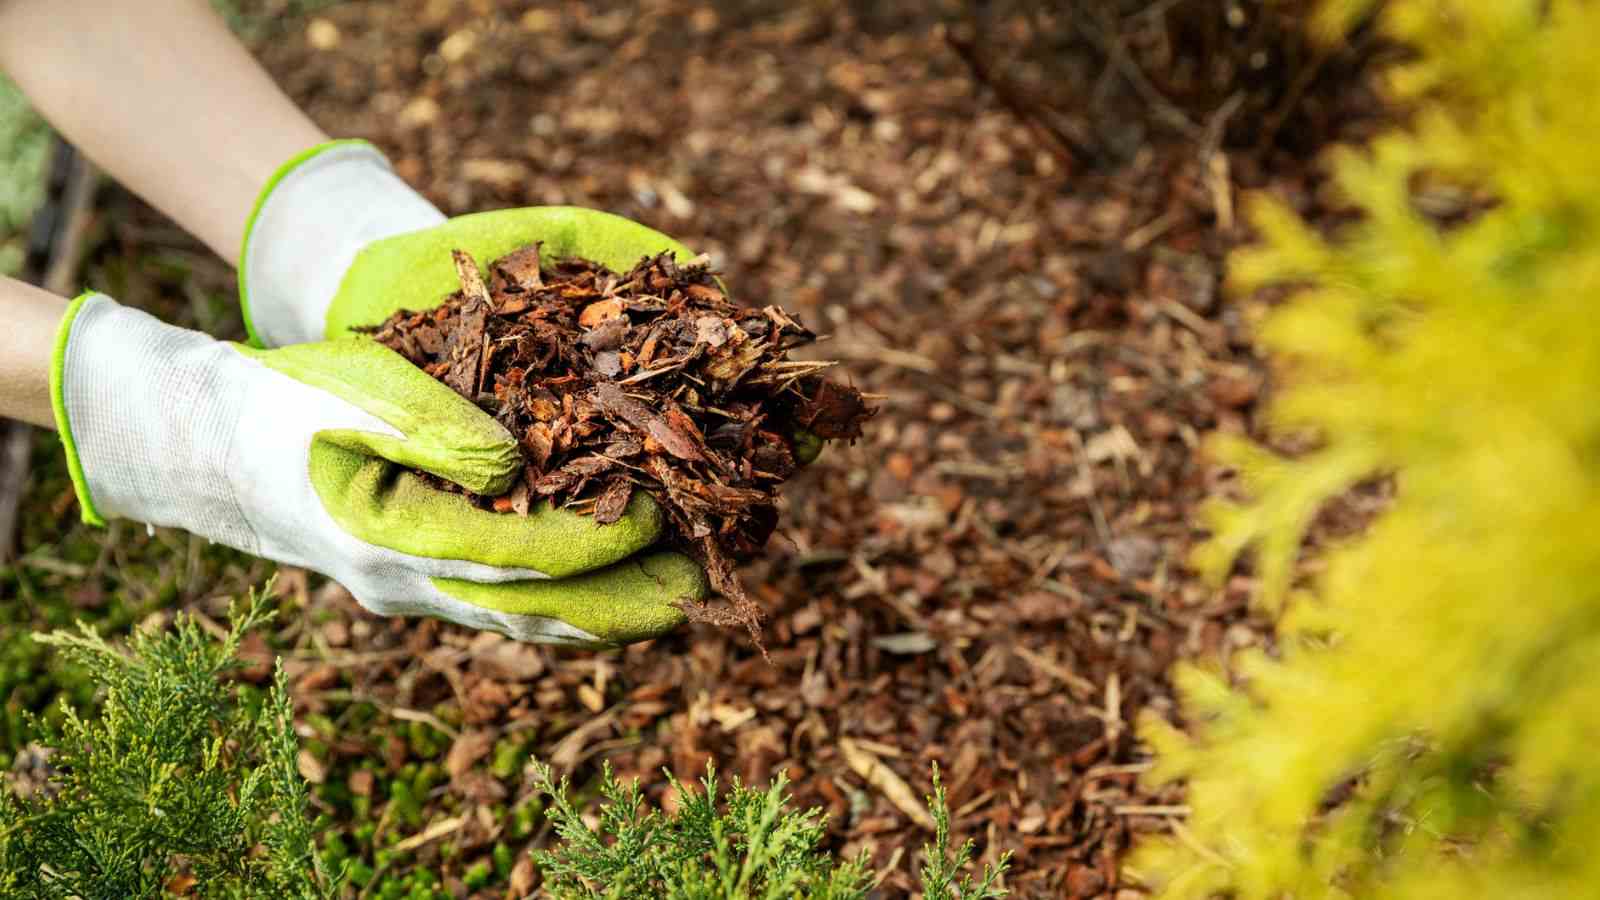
(679, 577)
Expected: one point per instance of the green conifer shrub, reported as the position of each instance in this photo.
(183, 775)
(187, 782)
(747, 845)
(1426, 727)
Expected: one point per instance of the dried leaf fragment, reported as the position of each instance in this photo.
(470, 747)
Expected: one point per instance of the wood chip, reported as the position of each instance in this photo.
(873, 771)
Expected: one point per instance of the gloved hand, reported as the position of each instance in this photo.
(337, 240)
(302, 455)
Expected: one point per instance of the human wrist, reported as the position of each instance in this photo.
(146, 414)
(312, 218)
(33, 317)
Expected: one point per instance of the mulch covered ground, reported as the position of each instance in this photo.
(992, 580)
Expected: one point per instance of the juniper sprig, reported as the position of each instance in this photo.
(184, 774)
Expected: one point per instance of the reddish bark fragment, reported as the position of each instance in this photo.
(613, 501)
(834, 412)
(518, 271)
(595, 313)
(614, 403)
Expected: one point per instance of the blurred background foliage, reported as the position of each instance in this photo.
(24, 156)
(1424, 726)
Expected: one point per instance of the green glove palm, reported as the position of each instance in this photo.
(564, 567)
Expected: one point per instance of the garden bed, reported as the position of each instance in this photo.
(991, 579)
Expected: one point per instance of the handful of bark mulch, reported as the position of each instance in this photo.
(651, 380)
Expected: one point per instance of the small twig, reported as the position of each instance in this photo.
(972, 806)
(1217, 125)
(1156, 10)
(1188, 837)
(1137, 768)
(1082, 686)
(1214, 161)
(432, 833)
(14, 448)
(1102, 526)
(860, 351)
(1140, 237)
(576, 746)
(377, 874)
(1139, 809)
(412, 715)
(889, 867)
(52, 565)
(886, 781)
(1113, 710)
(68, 243)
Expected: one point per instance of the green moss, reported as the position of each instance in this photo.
(479, 875)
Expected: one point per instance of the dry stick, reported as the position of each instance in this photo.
(1156, 9)
(65, 254)
(1291, 99)
(1214, 163)
(18, 440)
(1110, 41)
(1060, 144)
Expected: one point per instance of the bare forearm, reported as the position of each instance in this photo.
(26, 343)
(162, 96)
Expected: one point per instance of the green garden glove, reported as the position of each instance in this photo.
(338, 241)
(303, 454)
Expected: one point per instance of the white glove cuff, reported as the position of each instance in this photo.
(311, 220)
(147, 412)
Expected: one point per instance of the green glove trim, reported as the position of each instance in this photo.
(414, 270)
(250, 223)
(634, 600)
(443, 432)
(386, 505)
(58, 405)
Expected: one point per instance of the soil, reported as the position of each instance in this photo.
(651, 380)
(994, 578)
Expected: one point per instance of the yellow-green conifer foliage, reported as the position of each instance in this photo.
(1430, 727)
